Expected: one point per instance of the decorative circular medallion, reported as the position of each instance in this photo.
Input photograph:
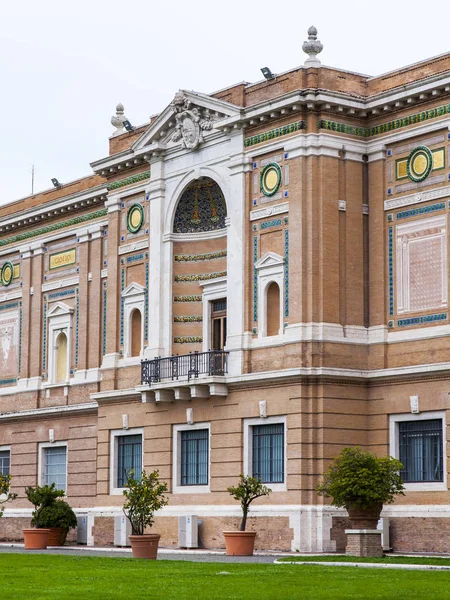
(135, 218)
(270, 179)
(7, 273)
(419, 164)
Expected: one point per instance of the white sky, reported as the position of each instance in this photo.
(65, 64)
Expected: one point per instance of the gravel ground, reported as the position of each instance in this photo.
(195, 556)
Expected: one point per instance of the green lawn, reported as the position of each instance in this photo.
(33, 577)
(387, 559)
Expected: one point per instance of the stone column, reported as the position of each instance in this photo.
(160, 303)
(95, 345)
(35, 310)
(111, 358)
(83, 262)
(239, 165)
(25, 273)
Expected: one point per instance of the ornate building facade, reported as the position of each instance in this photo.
(250, 282)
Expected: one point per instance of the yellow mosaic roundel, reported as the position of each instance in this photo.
(419, 163)
(7, 273)
(135, 218)
(270, 179)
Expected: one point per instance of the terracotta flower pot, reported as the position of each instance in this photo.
(239, 543)
(35, 539)
(145, 546)
(364, 518)
(57, 536)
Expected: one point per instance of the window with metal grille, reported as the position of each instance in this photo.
(420, 450)
(5, 462)
(268, 452)
(194, 457)
(129, 457)
(55, 467)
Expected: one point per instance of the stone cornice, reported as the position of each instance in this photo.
(55, 227)
(50, 210)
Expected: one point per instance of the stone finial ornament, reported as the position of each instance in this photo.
(118, 119)
(312, 48)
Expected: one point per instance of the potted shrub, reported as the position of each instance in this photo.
(59, 518)
(144, 496)
(5, 492)
(362, 482)
(242, 542)
(41, 497)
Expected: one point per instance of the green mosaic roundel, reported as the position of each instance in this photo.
(7, 273)
(270, 179)
(135, 218)
(419, 163)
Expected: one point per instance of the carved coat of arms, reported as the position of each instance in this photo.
(191, 121)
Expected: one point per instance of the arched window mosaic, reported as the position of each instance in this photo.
(201, 208)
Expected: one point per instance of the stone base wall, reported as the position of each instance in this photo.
(272, 533)
(103, 531)
(364, 543)
(417, 534)
(337, 533)
(11, 530)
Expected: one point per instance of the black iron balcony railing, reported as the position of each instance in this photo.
(214, 362)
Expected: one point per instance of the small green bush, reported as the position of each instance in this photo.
(361, 479)
(58, 514)
(5, 487)
(42, 497)
(246, 491)
(144, 497)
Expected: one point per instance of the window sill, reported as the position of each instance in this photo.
(191, 489)
(426, 486)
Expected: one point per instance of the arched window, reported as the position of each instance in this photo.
(61, 358)
(136, 332)
(201, 208)
(273, 309)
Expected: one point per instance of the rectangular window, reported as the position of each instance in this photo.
(55, 467)
(194, 457)
(5, 462)
(268, 452)
(421, 450)
(129, 457)
(218, 324)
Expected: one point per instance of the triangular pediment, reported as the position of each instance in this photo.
(270, 259)
(133, 289)
(60, 309)
(202, 110)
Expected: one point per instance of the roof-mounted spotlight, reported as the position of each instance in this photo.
(128, 126)
(267, 73)
(56, 182)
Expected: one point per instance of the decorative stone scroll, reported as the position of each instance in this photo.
(191, 121)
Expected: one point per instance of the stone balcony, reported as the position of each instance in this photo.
(184, 377)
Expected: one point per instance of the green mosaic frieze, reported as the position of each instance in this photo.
(419, 117)
(55, 227)
(199, 276)
(114, 185)
(187, 339)
(187, 298)
(188, 319)
(272, 134)
(199, 257)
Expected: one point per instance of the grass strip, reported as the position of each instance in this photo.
(44, 577)
(387, 559)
